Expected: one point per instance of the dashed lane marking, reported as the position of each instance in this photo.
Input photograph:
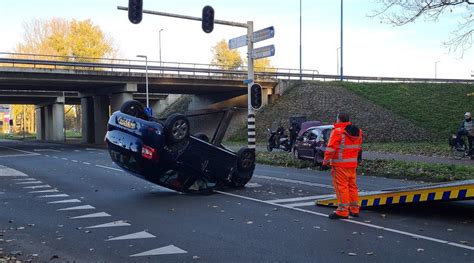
(53, 196)
(81, 207)
(55, 157)
(168, 250)
(45, 150)
(65, 159)
(293, 181)
(301, 204)
(25, 179)
(74, 161)
(296, 199)
(44, 191)
(30, 182)
(65, 201)
(24, 153)
(111, 224)
(86, 163)
(412, 235)
(138, 235)
(38, 186)
(8, 172)
(101, 214)
(108, 167)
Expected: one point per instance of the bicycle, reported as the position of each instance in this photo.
(461, 150)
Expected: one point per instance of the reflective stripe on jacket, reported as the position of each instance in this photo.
(344, 146)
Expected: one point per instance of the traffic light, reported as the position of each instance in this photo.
(256, 96)
(208, 19)
(135, 11)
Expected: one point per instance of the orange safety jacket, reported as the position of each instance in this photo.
(345, 144)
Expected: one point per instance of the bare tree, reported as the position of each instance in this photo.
(402, 12)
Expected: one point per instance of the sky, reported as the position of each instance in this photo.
(371, 48)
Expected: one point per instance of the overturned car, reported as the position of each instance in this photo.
(164, 152)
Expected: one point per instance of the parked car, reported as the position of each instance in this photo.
(312, 144)
(164, 152)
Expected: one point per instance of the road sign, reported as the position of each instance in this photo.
(263, 34)
(248, 81)
(263, 52)
(238, 42)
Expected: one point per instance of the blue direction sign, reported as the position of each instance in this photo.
(238, 42)
(263, 52)
(263, 34)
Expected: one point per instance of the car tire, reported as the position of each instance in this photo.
(134, 108)
(246, 160)
(176, 128)
(202, 136)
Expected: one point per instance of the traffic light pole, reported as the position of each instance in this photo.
(251, 135)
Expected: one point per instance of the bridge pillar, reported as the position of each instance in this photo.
(40, 122)
(53, 121)
(117, 99)
(87, 108)
(101, 117)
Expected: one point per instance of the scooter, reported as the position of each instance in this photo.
(278, 140)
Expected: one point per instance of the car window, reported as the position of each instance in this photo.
(315, 134)
(326, 134)
(306, 134)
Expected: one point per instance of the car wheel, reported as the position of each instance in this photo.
(240, 179)
(134, 108)
(269, 148)
(245, 159)
(176, 128)
(202, 136)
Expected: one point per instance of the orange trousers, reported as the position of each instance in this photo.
(344, 181)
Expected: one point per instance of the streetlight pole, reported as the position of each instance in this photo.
(342, 66)
(436, 69)
(146, 78)
(337, 60)
(301, 48)
(159, 33)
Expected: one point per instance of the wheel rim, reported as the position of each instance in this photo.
(180, 129)
(247, 160)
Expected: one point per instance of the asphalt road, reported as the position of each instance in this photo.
(65, 203)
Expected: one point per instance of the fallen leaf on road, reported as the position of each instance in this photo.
(463, 242)
(215, 206)
(351, 254)
(317, 227)
(370, 253)
(383, 216)
(449, 229)
(171, 209)
(275, 209)
(31, 225)
(231, 218)
(54, 257)
(196, 257)
(354, 233)
(420, 249)
(367, 221)
(249, 222)
(380, 236)
(20, 228)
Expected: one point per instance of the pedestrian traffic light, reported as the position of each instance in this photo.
(208, 19)
(135, 11)
(256, 96)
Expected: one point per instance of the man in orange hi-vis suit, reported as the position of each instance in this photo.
(342, 154)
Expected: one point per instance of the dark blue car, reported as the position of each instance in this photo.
(164, 152)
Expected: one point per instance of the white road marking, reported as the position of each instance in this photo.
(25, 179)
(38, 186)
(168, 250)
(9, 172)
(108, 167)
(111, 224)
(296, 199)
(86, 163)
(91, 149)
(45, 150)
(253, 185)
(13, 149)
(65, 201)
(293, 181)
(55, 157)
(138, 235)
(77, 151)
(101, 214)
(65, 159)
(412, 235)
(52, 196)
(301, 204)
(30, 182)
(74, 161)
(47, 155)
(19, 155)
(81, 207)
(44, 191)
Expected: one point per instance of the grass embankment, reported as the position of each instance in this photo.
(384, 168)
(438, 108)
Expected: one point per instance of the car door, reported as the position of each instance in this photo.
(305, 145)
(314, 141)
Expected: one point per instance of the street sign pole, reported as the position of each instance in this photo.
(251, 115)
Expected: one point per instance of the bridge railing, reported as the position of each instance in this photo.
(182, 69)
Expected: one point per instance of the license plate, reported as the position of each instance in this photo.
(126, 123)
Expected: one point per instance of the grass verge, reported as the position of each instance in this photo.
(384, 168)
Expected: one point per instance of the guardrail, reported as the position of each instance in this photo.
(37, 61)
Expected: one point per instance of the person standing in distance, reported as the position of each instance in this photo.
(343, 154)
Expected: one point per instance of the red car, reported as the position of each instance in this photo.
(312, 143)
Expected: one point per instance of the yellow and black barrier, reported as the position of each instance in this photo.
(455, 191)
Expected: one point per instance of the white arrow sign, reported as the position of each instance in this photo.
(263, 52)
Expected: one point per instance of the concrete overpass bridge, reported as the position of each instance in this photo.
(101, 88)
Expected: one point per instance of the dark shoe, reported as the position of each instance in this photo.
(336, 216)
(354, 214)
